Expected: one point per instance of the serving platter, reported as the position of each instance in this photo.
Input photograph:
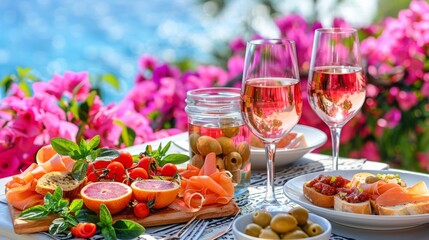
(293, 190)
(284, 156)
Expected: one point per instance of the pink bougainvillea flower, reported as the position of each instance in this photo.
(370, 151)
(406, 100)
(212, 74)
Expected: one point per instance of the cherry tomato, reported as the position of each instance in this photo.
(148, 164)
(141, 210)
(84, 230)
(92, 177)
(99, 164)
(139, 173)
(168, 169)
(116, 170)
(125, 158)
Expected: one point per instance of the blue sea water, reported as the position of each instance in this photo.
(100, 36)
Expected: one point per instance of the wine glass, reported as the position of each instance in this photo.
(337, 82)
(271, 99)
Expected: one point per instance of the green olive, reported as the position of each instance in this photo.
(206, 145)
(301, 215)
(253, 229)
(233, 161)
(227, 145)
(295, 234)
(243, 149)
(236, 176)
(219, 163)
(197, 160)
(283, 223)
(262, 218)
(313, 229)
(230, 131)
(193, 142)
(268, 234)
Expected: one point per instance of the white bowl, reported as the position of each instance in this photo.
(241, 222)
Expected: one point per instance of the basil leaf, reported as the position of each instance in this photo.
(127, 229)
(86, 215)
(62, 207)
(108, 233)
(58, 194)
(83, 146)
(93, 143)
(63, 146)
(76, 205)
(105, 217)
(33, 213)
(49, 201)
(165, 149)
(79, 170)
(70, 220)
(106, 154)
(58, 226)
(175, 158)
(77, 155)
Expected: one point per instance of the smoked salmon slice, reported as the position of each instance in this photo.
(21, 192)
(204, 186)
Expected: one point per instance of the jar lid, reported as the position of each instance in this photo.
(214, 100)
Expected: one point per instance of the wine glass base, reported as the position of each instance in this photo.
(271, 206)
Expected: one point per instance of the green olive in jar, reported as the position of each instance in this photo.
(253, 229)
(193, 142)
(230, 131)
(206, 145)
(295, 234)
(268, 234)
(283, 223)
(233, 161)
(300, 214)
(312, 229)
(197, 160)
(243, 149)
(262, 218)
(226, 144)
(219, 163)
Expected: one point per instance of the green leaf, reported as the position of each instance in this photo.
(22, 72)
(80, 168)
(105, 217)
(25, 87)
(90, 99)
(83, 146)
(33, 213)
(108, 233)
(175, 158)
(58, 226)
(111, 79)
(62, 207)
(106, 154)
(70, 220)
(127, 229)
(76, 205)
(86, 215)
(63, 146)
(128, 135)
(74, 109)
(84, 112)
(93, 143)
(165, 149)
(78, 155)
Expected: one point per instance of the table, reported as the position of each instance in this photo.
(311, 162)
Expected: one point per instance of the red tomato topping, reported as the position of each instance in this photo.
(353, 195)
(328, 185)
(84, 230)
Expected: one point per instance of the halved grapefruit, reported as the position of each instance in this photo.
(162, 192)
(114, 195)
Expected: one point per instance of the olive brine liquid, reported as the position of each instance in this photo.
(337, 93)
(271, 106)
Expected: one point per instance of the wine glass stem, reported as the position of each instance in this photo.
(335, 135)
(270, 152)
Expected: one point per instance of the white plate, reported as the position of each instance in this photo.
(293, 190)
(314, 137)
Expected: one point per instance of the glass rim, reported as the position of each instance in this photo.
(267, 41)
(336, 30)
(214, 93)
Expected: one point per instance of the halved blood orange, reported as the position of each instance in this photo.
(114, 195)
(162, 192)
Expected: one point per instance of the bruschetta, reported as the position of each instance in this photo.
(321, 190)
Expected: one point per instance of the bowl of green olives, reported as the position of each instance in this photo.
(297, 223)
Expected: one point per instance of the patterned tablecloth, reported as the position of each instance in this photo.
(256, 193)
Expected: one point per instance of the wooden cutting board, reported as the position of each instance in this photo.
(158, 218)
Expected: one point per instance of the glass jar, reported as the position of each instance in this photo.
(215, 125)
